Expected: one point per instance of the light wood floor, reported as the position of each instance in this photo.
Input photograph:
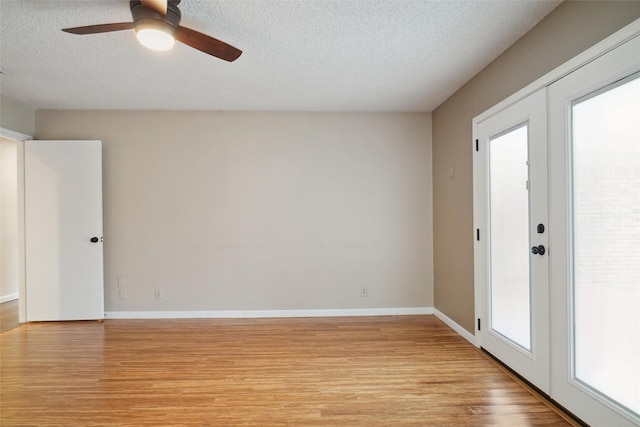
(364, 371)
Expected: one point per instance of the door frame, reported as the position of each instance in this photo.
(20, 138)
(616, 39)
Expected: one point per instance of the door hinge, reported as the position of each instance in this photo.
(478, 323)
(477, 145)
(478, 234)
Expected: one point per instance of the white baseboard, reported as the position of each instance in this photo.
(245, 314)
(9, 297)
(453, 325)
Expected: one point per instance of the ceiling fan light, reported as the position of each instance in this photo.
(155, 38)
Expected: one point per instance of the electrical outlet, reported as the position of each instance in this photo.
(122, 292)
(158, 293)
(364, 292)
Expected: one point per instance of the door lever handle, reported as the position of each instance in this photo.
(538, 250)
(94, 240)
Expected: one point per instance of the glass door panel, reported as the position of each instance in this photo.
(606, 241)
(509, 228)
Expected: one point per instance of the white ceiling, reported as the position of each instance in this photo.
(298, 55)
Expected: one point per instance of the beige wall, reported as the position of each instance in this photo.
(247, 211)
(16, 117)
(567, 31)
(8, 220)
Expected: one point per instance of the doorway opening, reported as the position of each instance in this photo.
(9, 288)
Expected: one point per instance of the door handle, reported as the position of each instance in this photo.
(538, 250)
(94, 240)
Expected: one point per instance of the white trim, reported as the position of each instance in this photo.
(8, 297)
(22, 269)
(453, 325)
(15, 136)
(630, 31)
(246, 314)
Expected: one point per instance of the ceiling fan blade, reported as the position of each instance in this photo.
(101, 28)
(159, 6)
(207, 44)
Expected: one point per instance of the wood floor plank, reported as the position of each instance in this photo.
(363, 371)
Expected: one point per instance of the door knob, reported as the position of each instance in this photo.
(94, 240)
(538, 250)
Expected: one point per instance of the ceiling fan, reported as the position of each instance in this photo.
(157, 26)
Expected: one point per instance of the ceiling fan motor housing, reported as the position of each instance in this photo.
(144, 17)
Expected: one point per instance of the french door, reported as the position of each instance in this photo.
(511, 200)
(558, 265)
(594, 143)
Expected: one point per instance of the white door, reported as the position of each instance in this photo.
(63, 230)
(511, 237)
(594, 131)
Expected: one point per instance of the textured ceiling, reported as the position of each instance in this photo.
(304, 55)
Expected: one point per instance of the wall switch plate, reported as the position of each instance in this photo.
(122, 292)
